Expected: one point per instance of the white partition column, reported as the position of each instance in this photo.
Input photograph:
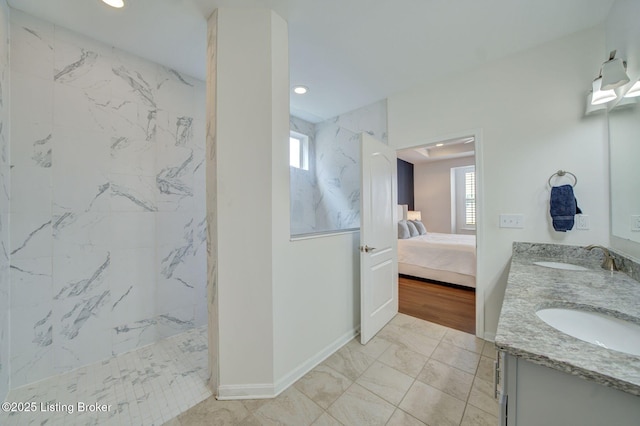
(247, 83)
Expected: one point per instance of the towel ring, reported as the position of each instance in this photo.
(561, 173)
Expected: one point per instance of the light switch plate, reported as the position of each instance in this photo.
(582, 221)
(635, 222)
(512, 221)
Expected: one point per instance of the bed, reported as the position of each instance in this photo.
(449, 258)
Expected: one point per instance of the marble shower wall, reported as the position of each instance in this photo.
(108, 208)
(4, 199)
(327, 197)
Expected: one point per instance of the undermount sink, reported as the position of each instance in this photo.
(594, 327)
(561, 265)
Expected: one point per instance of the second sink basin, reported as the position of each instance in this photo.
(594, 327)
(561, 265)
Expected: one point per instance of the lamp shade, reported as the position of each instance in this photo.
(601, 96)
(414, 215)
(633, 91)
(613, 74)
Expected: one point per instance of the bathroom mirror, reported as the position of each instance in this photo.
(624, 148)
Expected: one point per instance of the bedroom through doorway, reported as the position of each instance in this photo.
(437, 232)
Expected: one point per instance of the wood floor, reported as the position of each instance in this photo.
(448, 306)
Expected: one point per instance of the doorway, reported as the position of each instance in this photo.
(437, 187)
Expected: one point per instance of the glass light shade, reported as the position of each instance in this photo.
(633, 91)
(613, 74)
(114, 3)
(601, 96)
(414, 215)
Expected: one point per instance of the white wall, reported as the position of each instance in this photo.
(623, 35)
(107, 201)
(5, 185)
(529, 108)
(432, 192)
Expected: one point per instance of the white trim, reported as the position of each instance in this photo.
(491, 337)
(480, 222)
(269, 390)
(314, 361)
(252, 391)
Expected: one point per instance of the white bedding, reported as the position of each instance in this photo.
(454, 253)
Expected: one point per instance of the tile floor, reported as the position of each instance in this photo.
(148, 386)
(412, 373)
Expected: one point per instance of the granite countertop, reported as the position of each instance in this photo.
(531, 288)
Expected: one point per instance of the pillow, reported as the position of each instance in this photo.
(403, 230)
(420, 227)
(413, 231)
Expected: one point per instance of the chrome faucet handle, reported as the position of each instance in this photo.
(609, 263)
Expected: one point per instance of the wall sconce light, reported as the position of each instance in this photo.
(414, 215)
(600, 96)
(633, 91)
(614, 73)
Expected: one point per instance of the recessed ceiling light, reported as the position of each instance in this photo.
(300, 90)
(114, 3)
(439, 144)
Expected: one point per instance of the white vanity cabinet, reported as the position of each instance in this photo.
(534, 395)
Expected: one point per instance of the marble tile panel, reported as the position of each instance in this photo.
(31, 144)
(385, 382)
(446, 378)
(136, 79)
(349, 362)
(432, 406)
(128, 336)
(31, 100)
(475, 417)
(31, 282)
(404, 360)
(130, 230)
(31, 189)
(31, 45)
(73, 232)
(400, 418)
(323, 385)
(132, 156)
(78, 276)
(176, 321)
(31, 235)
(132, 285)
(360, 406)
(457, 357)
(291, 407)
(175, 91)
(130, 193)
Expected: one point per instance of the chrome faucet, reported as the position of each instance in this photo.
(609, 262)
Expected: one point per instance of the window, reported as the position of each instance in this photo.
(299, 151)
(463, 200)
(470, 198)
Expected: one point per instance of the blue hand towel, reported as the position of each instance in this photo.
(564, 207)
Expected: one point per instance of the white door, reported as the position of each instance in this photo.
(378, 237)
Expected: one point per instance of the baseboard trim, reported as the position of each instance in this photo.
(268, 390)
(314, 361)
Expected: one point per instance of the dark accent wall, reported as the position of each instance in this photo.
(405, 183)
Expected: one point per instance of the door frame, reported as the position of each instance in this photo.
(480, 225)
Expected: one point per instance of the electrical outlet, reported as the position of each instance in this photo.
(512, 221)
(582, 221)
(635, 222)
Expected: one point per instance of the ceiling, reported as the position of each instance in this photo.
(445, 150)
(349, 53)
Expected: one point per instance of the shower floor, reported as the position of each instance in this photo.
(148, 386)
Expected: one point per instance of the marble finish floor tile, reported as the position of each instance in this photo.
(457, 357)
(432, 406)
(404, 360)
(463, 340)
(476, 417)
(358, 406)
(481, 396)
(291, 407)
(386, 382)
(350, 362)
(446, 378)
(149, 386)
(400, 418)
(323, 385)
